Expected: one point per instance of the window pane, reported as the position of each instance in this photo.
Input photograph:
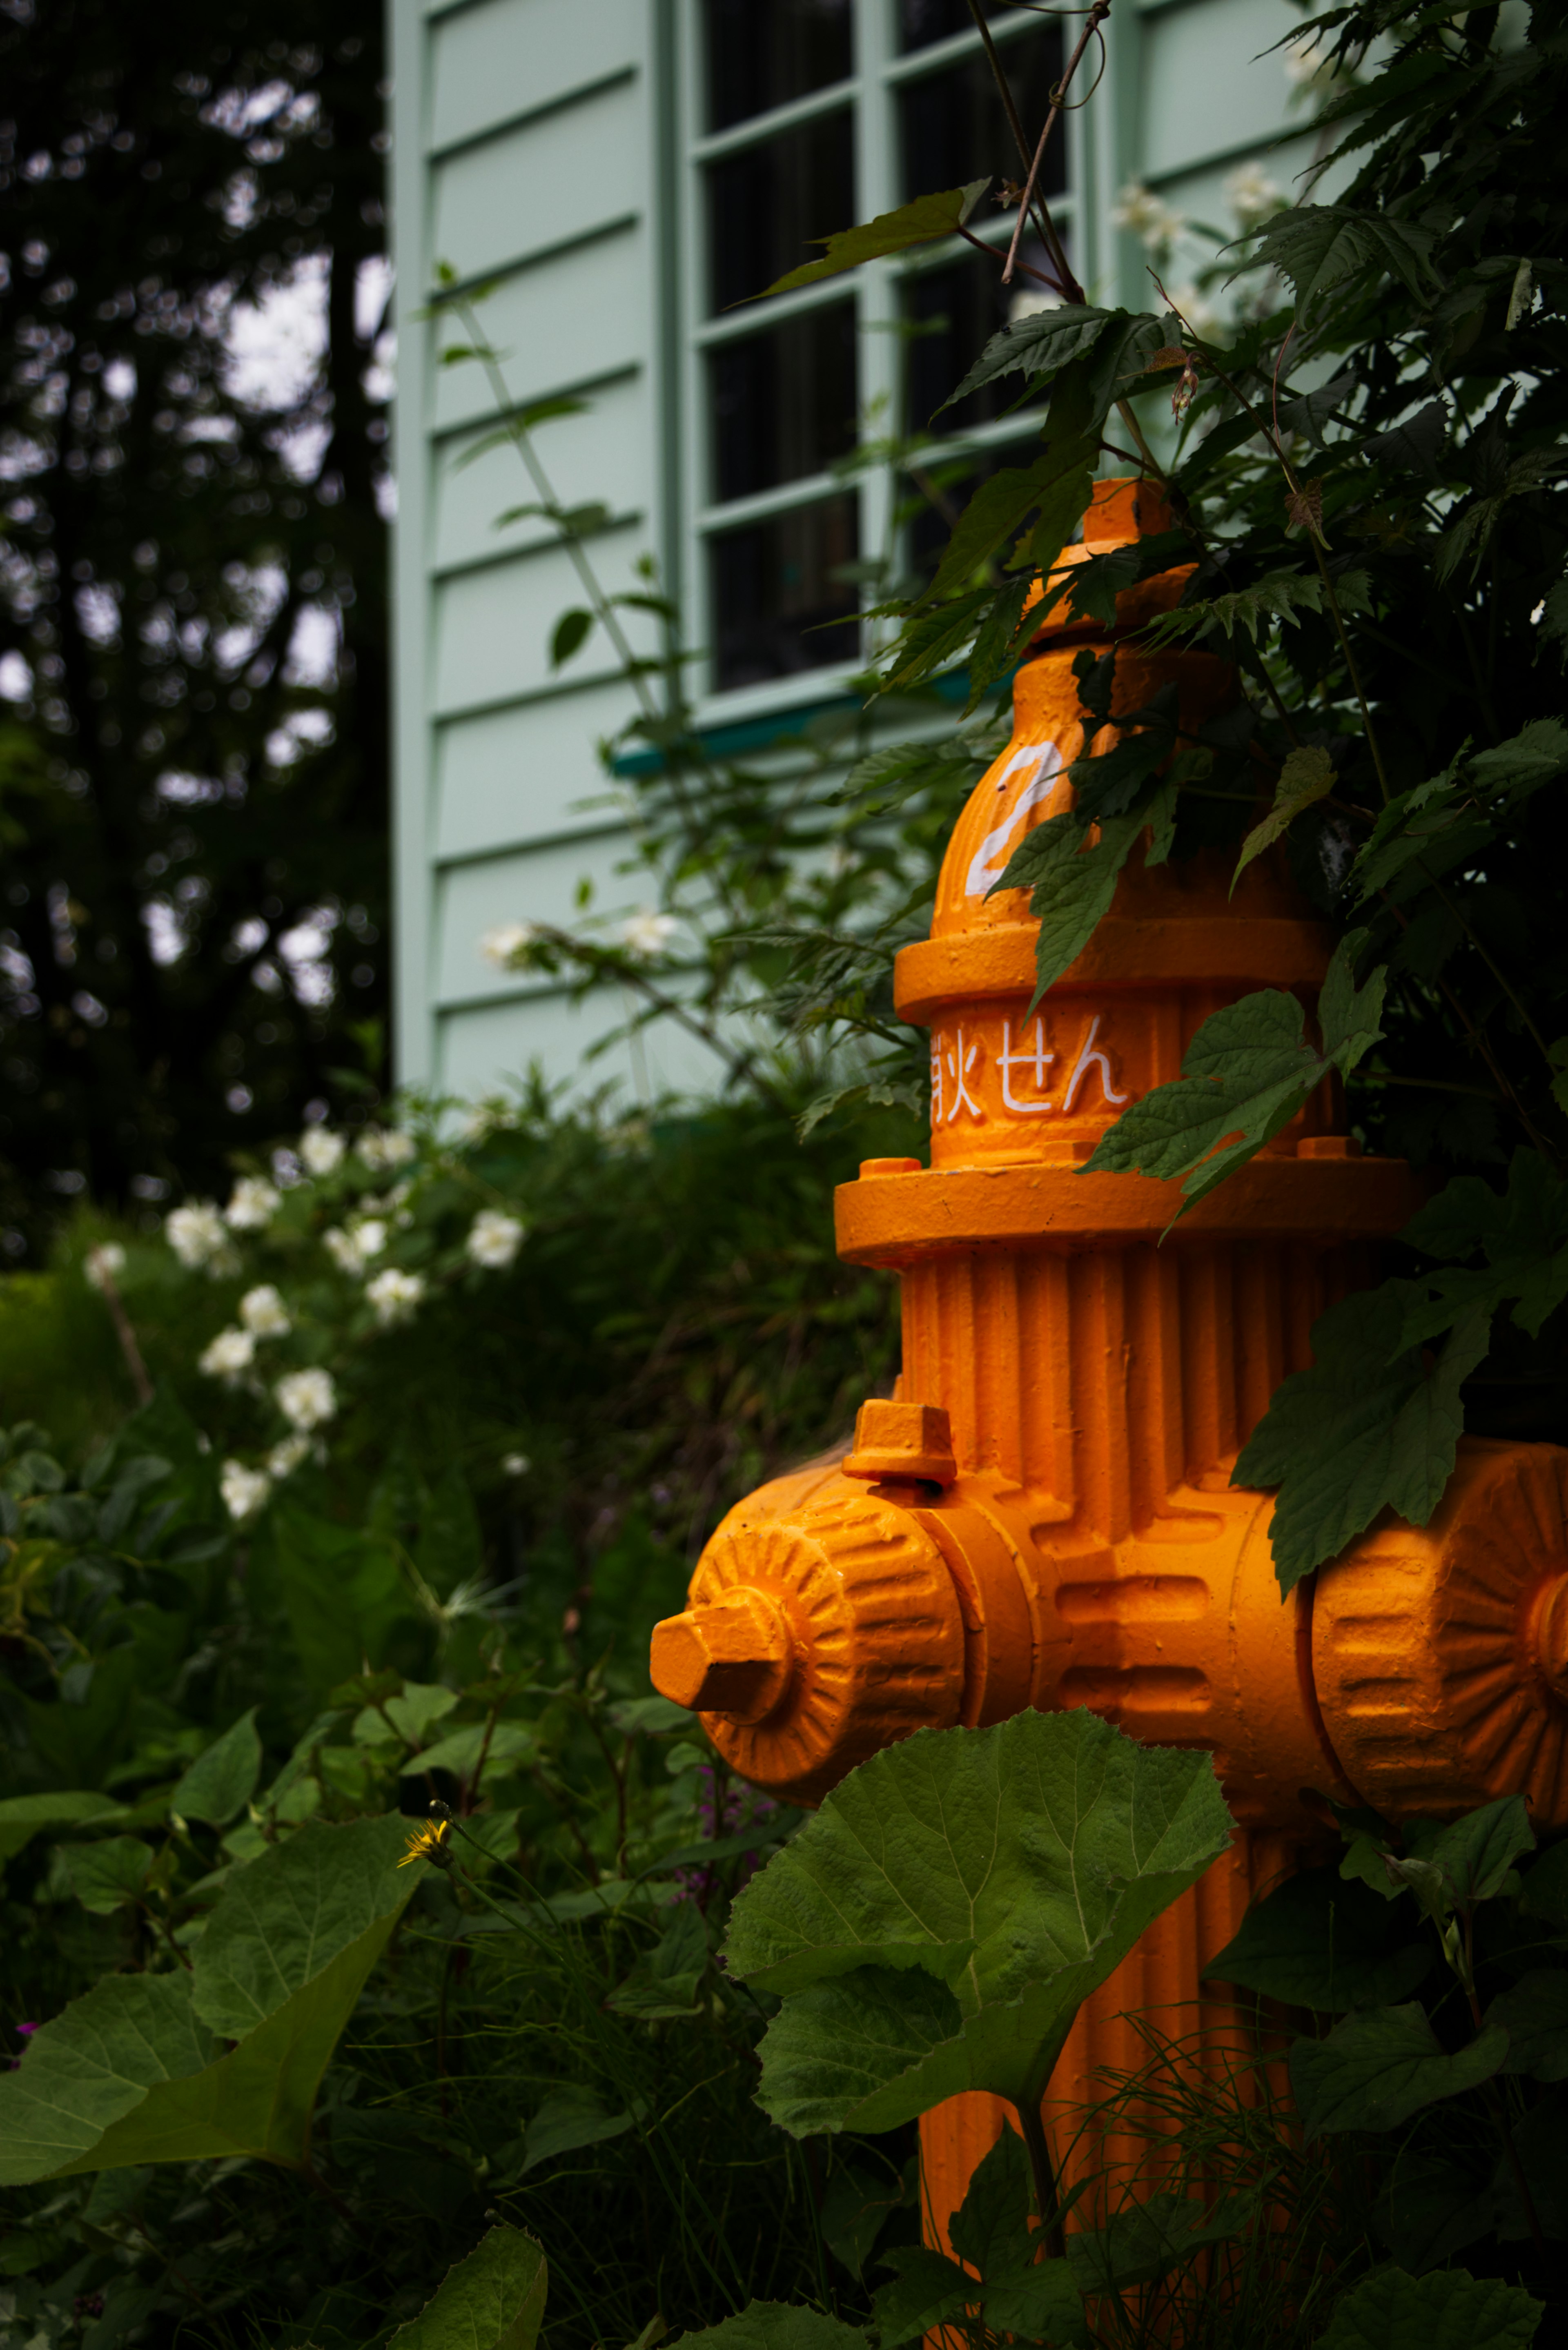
(953, 128)
(783, 402)
(772, 586)
(762, 53)
(922, 22)
(763, 204)
(958, 308)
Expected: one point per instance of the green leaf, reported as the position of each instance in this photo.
(107, 1875)
(220, 1783)
(22, 1816)
(1039, 345)
(1058, 482)
(1307, 776)
(1040, 2303)
(1246, 1074)
(344, 1596)
(502, 1748)
(921, 223)
(493, 2299)
(991, 2230)
(665, 1983)
(928, 2289)
(1071, 886)
(1280, 596)
(856, 2207)
(1448, 2309)
(1321, 1943)
(570, 2120)
(1376, 2069)
(1316, 248)
(936, 1925)
(775, 2325)
(280, 1921)
(1477, 1853)
(569, 633)
(1535, 2014)
(1524, 1232)
(1368, 1426)
(1147, 2240)
(96, 2062)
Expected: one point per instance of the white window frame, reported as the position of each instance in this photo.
(880, 72)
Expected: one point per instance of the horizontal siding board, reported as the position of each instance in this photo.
(479, 1048)
(541, 184)
(493, 628)
(1206, 86)
(584, 315)
(490, 62)
(538, 885)
(605, 454)
(518, 776)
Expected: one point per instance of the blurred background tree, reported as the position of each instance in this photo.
(194, 733)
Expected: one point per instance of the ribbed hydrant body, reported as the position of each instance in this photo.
(1044, 1515)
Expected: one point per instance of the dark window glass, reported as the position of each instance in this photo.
(783, 402)
(953, 128)
(762, 53)
(773, 585)
(955, 310)
(763, 204)
(955, 482)
(921, 22)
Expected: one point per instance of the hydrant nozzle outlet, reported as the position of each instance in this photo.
(732, 1656)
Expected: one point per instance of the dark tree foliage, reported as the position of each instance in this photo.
(181, 794)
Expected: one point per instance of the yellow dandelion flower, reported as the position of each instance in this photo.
(428, 1843)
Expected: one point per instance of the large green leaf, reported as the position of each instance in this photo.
(345, 1598)
(1246, 1074)
(1319, 1942)
(1445, 2311)
(223, 1780)
(123, 2076)
(937, 1924)
(1371, 1425)
(920, 223)
(775, 2325)
(493, 2299)
(295, 1908)
(1376, 2069)
(22, 1816)
(96, 2062)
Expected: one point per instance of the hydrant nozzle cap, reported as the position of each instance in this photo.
(732, 1656)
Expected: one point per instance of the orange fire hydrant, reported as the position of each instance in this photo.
(1044, 1515)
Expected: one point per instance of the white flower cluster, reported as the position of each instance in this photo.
(352, 1246)
(1252, 196)
(646, 935)
(1146, 216)
(104, 1264)
(264, 1313)
(228, 1356)
(199, 1237)
(493, 1239)
(395, 1295)
(384, 1148)
(307, 1399)
(243, 1490)
(1312, 67)
(252, 1204)
(510, 944)
(320, 1150)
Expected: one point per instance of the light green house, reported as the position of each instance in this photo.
(619, 172)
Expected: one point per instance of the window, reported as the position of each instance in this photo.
(810, 114)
